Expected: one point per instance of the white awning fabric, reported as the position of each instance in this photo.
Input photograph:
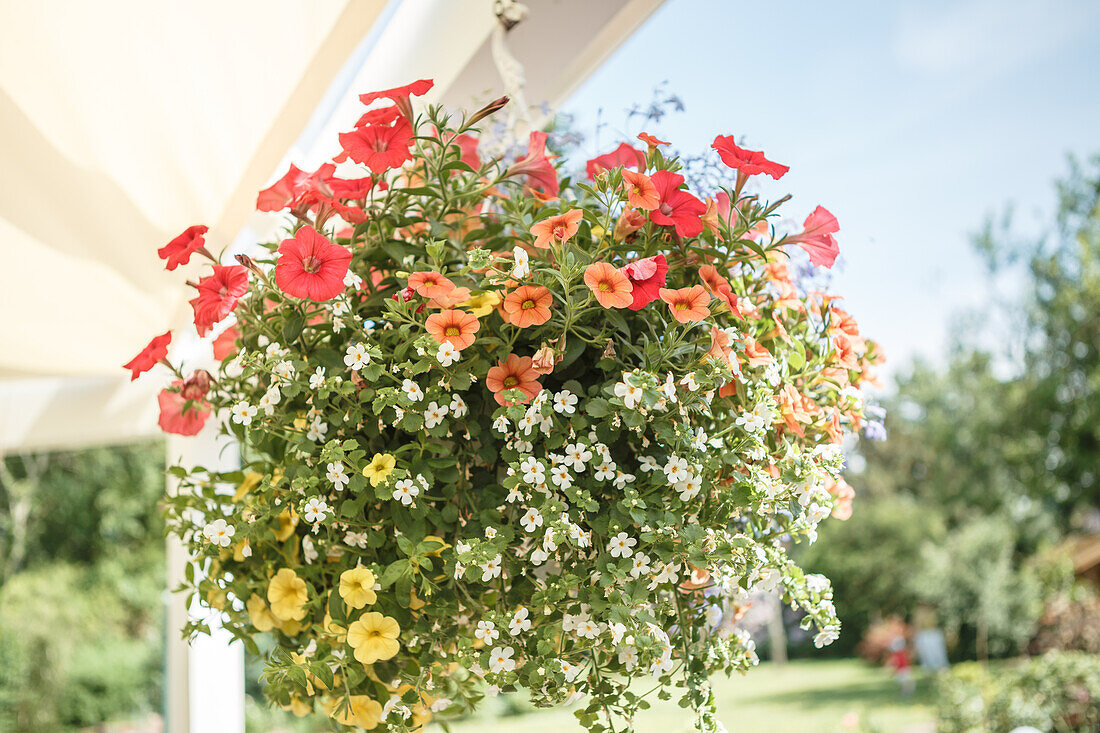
(123, 122)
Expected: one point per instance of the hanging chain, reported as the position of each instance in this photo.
(509, 14)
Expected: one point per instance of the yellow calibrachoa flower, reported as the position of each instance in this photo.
(299, 707)
(290, 628)
(259, 614)
(362, 712)
(251, 481)
(331, 627)
(482, 304)
(288, 520)
(379, 468)
(357, 587)
(287, 594)
(374, 637)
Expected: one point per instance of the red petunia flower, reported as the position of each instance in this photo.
(379, 147)
(648, 277)
(179, 250)
(310, 266)
(400, 95)
(536, 165)
(468, 145)
(515, 372)
(625, 155)
(218, 295)
(687, 304)
(226, 343)
(817, 237)
(283, 192)
(677, 208)
(149, 356)
(180, 415)
(748, 162)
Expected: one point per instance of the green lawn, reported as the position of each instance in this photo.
(800, 696)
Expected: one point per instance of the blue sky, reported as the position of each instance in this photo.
(910, 121)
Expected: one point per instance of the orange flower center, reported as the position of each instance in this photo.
(605, 286)
(452, 331)
(527, 304)
(681, 306)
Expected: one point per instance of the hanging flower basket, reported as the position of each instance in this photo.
(503, 430)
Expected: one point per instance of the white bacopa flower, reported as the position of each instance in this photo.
(270, 399)
(571, 671)
(486, 631)
(501, 424)
(666, 573)
(621, 545)
(490, 533)
(565, 402)
(605, 471)
(689, 487)
(531, 520)
(337, 476)
(519, 622)
(689, 382)
(669, 388)
(356, 539)
(283, 370)
(351, 280)
(491, 569)
(219, 532)
(623, 479)
(648, 463)
(315, 510)
(561, 478)
(317, 430)
(500, 659)
(577, 455)
(640, 565)
(617, 631)
(662, 665)
(628, 657)
(405, 491)
(629, 394)
(532, 470)
(309, 551)
(317, 379)
(412, 390)
(676, 469)
(357, 357)
(447, 354)
(458, 407)
(587, 629)
(522, 267)
(434, 414)
(539, 556)
(243, 413)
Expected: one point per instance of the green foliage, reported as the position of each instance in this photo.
(972, 578)
(1058, 692)
(80, 608)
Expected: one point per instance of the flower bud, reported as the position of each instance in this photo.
(196, 386)
(544, 360)
(629, 222)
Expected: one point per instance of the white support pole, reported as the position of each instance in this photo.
(205, 681)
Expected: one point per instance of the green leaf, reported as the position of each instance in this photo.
(293, 326)
(598, 407)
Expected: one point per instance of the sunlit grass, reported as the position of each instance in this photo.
(801, 696)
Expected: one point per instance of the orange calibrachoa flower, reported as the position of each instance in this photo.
(528, 305)
(640, 191)
(450, 299)
(430, 284)
(557, 229)
(610, 286)
(687, 304)
(719, 286)
(755, 354)
(515, 372)
(453, 326)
